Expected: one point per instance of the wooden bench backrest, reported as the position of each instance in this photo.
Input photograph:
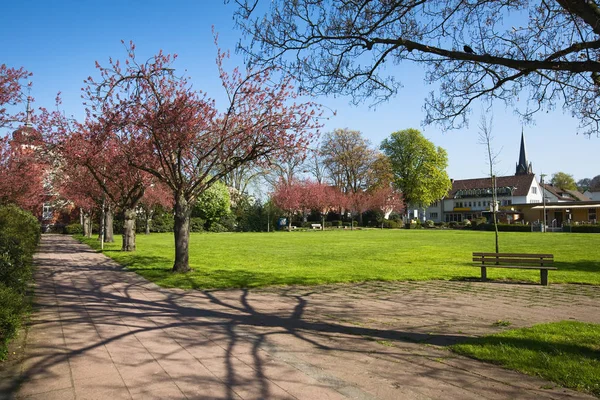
(512, 258)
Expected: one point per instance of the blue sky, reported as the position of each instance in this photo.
(60, 41)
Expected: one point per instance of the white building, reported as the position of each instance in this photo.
(472, 198)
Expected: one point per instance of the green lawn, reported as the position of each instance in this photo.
(238, 260)
(567, 353)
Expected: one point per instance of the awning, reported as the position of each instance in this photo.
(554, 207)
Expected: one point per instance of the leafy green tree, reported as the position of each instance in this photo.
(418, 166)
(213, 204)
(564, 181)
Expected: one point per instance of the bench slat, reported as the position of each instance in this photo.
(521, 255)
(514, 266)
(491, 260)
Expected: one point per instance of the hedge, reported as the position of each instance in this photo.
(19, 237)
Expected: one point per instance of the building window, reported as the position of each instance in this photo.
(47, 212)
(453, 217)
(479, 204)
(533, 190)
(591, 214)
(433, 215)
(434, 204)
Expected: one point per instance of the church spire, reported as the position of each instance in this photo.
(523, 167)
(28, 119)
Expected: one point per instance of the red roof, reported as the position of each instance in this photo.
(520, 183)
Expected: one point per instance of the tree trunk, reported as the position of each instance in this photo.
(108, 226)
(183, 212)
(322, 222)
(128, 230)
(87, 232)
(148, 221)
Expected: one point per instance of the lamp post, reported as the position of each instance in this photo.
(543, 201)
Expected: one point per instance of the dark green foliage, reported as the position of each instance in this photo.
(19, 237)
(12, 307)
(585, 228)
(197, 224)
(391, 224)
(216, 227)
(74, 229)
(162, 221)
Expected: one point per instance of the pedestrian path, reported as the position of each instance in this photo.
(100, 332)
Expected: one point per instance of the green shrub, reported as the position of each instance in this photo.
(162, 221)
(12, 308)
(197, 224)
(429, 223)
(20, 224)
(19, 237)
(441, 224)
(453, 225)
(217, 228)
(585, 228)
(74, 229)
(391, 224)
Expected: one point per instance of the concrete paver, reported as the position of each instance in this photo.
(101, 332)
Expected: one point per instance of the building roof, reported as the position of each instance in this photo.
(566, 194)
(520, 183)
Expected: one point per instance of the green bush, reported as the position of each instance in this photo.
(74, 229)
(453, 224)
(429, 223)
(20, 224)
(391, 224)
(19, 237)
(12, 307)
(162, 221)
(441, 224)
(585, 228)
(217, 228)
(197, 224)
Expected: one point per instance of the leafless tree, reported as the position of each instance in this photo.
(486, 139)
(548, 57)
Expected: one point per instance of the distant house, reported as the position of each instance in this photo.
(593, 194)
(472, 198)
(556, 194)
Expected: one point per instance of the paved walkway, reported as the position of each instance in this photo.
(104, 333)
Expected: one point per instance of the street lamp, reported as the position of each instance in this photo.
(543, 200)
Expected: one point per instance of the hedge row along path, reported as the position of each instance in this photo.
(102, 332)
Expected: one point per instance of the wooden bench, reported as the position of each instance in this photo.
(315, 226)
(543, 262)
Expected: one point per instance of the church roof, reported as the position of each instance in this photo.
(523, 166)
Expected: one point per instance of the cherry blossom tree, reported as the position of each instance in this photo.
(11, 94)
(322, 198)
(386, 200)
(21, 175)
(186, 142)
(290, 197)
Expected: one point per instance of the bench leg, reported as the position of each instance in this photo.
(544, 276)
(484, 274)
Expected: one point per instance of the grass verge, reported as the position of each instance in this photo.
(245, 260)
(566, 353)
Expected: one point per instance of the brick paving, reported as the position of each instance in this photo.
(100, 332)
